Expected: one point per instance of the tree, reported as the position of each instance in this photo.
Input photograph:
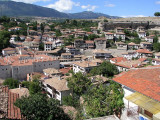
(120, 38)
(39, 107)
(36, 78)
(42, 27)
(104, 100)
(71, 100)
(25, 84)
(92, 36)
(58, 33)
(4, 19)
(106, 69)
(147, 34)
(136, 40)
(127, 33)
(34, 87)
(157, 14)
(78, 83)
(4, 39)
(12, 83)
(155, 39)
(41, 46)
(105, 20)
(156, 47)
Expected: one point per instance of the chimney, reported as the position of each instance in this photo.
(67, 83)
(19, 86)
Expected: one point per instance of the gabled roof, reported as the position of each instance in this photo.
(144, 80)
(9, 48)
(97, 39)
(57, 83)
(108, 33)
(144, 51)
(118, 59)
(89, 42)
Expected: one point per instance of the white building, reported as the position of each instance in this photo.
(9, 51)
(85, 66)
(121, 46)
(72, 50)
(48, 46)
(144, 53)
(121, 36)
(101, 53)
(109, 36)
(149, 38)
(56, 87)
(142, 34)
(146, 45)
(18, 67)
(129, 55)
(141, 93)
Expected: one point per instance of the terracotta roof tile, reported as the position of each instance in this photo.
(144, 51)
(144, 80)
(118, 59)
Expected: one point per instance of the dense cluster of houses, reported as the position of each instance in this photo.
(23, 60)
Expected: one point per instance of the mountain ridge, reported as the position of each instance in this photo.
(11, 8)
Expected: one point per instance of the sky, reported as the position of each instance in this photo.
(122, 8)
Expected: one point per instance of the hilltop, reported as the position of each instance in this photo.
(11, 8)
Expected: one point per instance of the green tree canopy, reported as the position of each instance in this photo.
(39, 107)
(58, 33)
(156, 47)
(41, 46)
(12, 83)
(78, 83)
(4, 19)
(4, 39)
(104, 100)
(71, 100)
(34, 87)
(155, 39)
(92, 36)
(106, 69)
(157, 14)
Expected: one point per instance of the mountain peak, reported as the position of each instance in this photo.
(11, 8)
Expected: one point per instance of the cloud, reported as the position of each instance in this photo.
(89, 7)
(30, 1)
(158, 2)
(110, 5)
(63, 5)
(133, 16)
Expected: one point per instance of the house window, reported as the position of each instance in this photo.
(57, 92)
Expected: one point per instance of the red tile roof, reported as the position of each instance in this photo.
(118, 59)
(13, 111)
(108, 33)
(9, 48)
(15, 60)
(144, 80)
(144, 51)
(65, 70)
(89, 42)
